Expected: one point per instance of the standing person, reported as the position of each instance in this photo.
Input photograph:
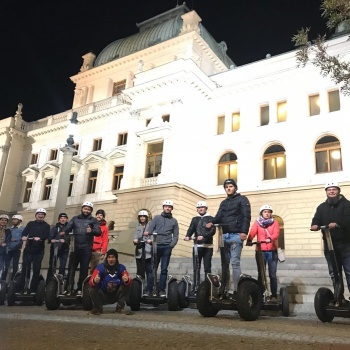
(84, 227)
(268, 230)
(139, 239)
(15, 246)
(234, 214)
(167, 229)
(99, 247)
(204, 236)
(5, 239)
(109, 284)
(334, 212)
(56, 234)
(34, 234)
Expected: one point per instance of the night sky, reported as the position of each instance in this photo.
(42, 41)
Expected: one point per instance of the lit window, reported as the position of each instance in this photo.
(227, 167)
(274, 163)
(328, 155)
(70, 189)
(166, 118)
(47, 189)
(314, 105)
(281, 111)
(118, 87)
(53, 154)
(221, 125)
(154, 159)
(122, 139)
(117, 177)
(97, 144)
(34, 158)
(27, 191)
(264, 115)
(334, 100)
(236, 121)
(92, 180)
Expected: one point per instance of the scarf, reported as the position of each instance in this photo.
(263, 222)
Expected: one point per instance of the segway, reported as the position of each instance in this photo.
(14, 294)
(188, 288)
(136, 296)
(268, 304)
(328, 304)
(213, 294)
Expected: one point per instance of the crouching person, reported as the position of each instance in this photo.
(110, 283)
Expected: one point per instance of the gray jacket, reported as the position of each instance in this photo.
(167, 229)
(139, 234)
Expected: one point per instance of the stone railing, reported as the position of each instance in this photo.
(151, 181)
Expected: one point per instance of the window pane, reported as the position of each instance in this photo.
(282, 111)
(269, 168)
(334, 100)
(233, 171)
(321, 162)
(314, 105)
(236, 121)
(155, 148)
(222, 176)
(335, 159)
(264, 115)
(221, 125)
(281, 167)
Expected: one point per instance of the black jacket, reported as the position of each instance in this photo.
(39, 229)
(79, 224)
(54, 234)
(340, 214)
(235, 213)
(197, 227)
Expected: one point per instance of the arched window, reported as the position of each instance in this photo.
(281, 240)
(328, 155)
(227, 168)
(274, 163)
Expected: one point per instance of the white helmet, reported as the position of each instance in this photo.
(4, 216)
(168, 202)
(142, 213)
(88, 204)
(18, 217)
(201, 204)
(265, 207)
(331, 184)
(40, 210)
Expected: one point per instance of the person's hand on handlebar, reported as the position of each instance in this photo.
(314, 228)
(268, 240)
(333, 225)
(186, 238)
(249, 243)
(209, 225)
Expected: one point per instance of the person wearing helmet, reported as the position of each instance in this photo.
(85, 227)
(203, 234)
(167, 229)
(5, 239)
(34, 235)
(234, 215)
(266, 229)
(99, 247)
(334, 212)
(62, 241)
(140, 239)
(15, 246)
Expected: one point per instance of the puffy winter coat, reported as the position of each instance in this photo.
(262, 235)
(55, 234)
(101, 242)
(197, 227)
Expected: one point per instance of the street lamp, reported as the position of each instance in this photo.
(64, 180)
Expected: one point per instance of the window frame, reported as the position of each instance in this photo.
(227, 163)
(117, 90)
(92, 182)
(97, 144)
(117, 177)
(122, 138)
(274, 155)
(47, 188)
(155, 155)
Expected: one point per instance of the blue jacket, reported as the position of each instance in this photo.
(16, 238)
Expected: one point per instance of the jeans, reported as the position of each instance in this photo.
(12, 255)
(163, 257)
(233, 248)
(270, 258)
(2, 263)
(62, 257)
(343, 261)
(34, 260)
(148, 269)
(100, 297)
(82, 257)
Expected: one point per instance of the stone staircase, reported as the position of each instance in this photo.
(301, 276)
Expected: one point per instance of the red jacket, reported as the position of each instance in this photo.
(101, 242)
(274, 232)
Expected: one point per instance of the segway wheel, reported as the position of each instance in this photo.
(249, 300)
(135, 295)
(86, 298)
(284, 301)
(322, 298)
(204, 306)
(183, 301)
(51, 300)
(11, 294)
(40, 293)
(3, 290)
(173, 296)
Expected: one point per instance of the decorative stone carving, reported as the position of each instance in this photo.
(88, 62)
(191, 22)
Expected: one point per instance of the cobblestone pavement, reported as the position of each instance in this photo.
(33, 327)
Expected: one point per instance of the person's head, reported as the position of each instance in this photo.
(100, 214)
(143, 217)
(4, 219)
(16, 220)
(40, 214)
(112, 257)
(86, 208)
(230, 187)
(62, 218)
(201, 207)
(266, 211)
(168, 206)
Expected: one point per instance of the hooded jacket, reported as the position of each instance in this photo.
(197, 227)
(101, 242)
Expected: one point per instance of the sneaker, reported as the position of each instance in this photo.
(79, 293)
(96, 311)
(162, 293)
(145, 293)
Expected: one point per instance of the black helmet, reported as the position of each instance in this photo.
(101, 211)
(230, 181)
